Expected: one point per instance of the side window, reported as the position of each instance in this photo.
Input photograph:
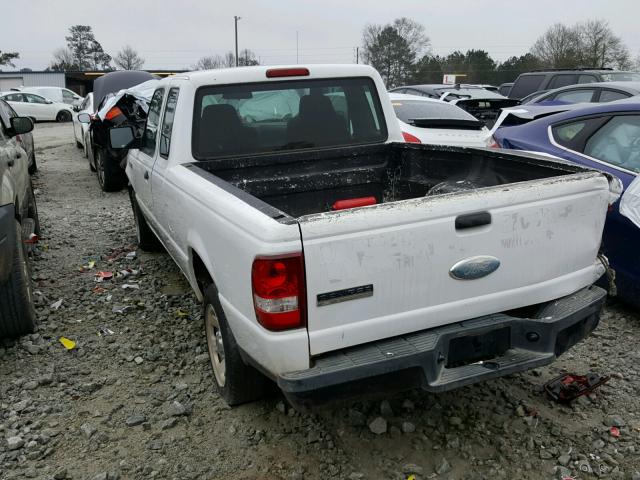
(562, 81)
(575, 96)
(617, 142)
(565, 134)
(34, 98)
(6, 113)
(14, 97)
(587, 79)
(167, 122)
(612, 95)
(526, 84)
(153, 119)
(67, 96)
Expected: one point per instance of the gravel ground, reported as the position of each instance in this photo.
(140, 403)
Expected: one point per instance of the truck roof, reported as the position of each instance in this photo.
(259, 73)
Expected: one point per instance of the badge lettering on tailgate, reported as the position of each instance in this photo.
(474, 267)
(344, 295)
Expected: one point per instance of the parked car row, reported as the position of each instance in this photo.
(37, 107)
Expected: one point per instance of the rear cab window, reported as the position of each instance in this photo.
(286, 115)
(526, 84)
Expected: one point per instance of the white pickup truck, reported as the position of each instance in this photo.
(328, 253)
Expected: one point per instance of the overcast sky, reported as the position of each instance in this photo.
(174, 34)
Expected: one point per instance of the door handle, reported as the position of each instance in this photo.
(472, 220)
(146, 174)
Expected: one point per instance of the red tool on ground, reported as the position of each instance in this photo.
(569, 386)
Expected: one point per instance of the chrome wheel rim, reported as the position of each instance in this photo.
(215, 344)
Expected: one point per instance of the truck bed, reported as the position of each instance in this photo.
(304, 183)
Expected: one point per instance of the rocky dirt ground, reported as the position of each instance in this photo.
(135, 398)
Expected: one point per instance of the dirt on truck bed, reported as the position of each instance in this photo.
(135, 397)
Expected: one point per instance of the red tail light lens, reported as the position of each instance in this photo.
(287, 72)
(410, 138)
(113, 113)
(279, 291)
(491, 143)
(353, 203)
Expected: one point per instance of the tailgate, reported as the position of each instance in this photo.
(391, 269)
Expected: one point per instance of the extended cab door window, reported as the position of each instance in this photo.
(153, 120)
(167, 122)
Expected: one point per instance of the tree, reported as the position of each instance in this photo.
(86, 50)
(428, 70)
(600, 47)
(228, 60)
(6, 58)
(414, 35)
(63, 60)
(558, 47)
(128, 59)
(509, 70)
(391, 55)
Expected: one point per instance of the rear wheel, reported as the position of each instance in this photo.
(147, 240)
(63, 116)
(236, 381)
(110, 175)
(17, 315)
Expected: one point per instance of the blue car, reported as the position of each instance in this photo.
(604, 137)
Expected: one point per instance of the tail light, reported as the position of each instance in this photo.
(113, 113)
(279, 291)
(410, 138)
(287, 72)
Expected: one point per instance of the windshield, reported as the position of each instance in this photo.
(621, 77)
(267, 117)
(407, 110)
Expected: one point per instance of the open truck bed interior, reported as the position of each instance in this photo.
(309, 182)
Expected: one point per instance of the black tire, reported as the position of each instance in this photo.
(110, 175)
(147, 240)
(17, 315)
(241, 382)
(33, 166)
(63, 116)
(32, 211)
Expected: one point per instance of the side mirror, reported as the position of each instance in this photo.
(84, 118)
(48, 102)
(122, 137)
(21, 125)
(76, 108)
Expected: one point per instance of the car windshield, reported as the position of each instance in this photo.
(621, 77)
(296, 114)
(408, 110)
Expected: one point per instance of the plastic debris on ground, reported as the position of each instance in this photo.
(56, 305)
(121, 308)
(615, 432)
(104, 331)
(102, 276)
(67, 343)
(569, 386)
(181, 313)
(98, 289)
(33, 238)
(89, 266)
(130, 286)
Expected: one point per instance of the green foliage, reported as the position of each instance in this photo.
(6, 58)
(86, 50)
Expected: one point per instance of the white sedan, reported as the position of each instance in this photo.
(436, 122)
(37, 107)
(80, 129)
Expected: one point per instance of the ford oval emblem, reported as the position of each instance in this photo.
(474, 267)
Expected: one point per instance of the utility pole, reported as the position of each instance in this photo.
(357, 54)
(297, 49)
(236, 18)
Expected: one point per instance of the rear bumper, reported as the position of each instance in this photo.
(445, 358)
